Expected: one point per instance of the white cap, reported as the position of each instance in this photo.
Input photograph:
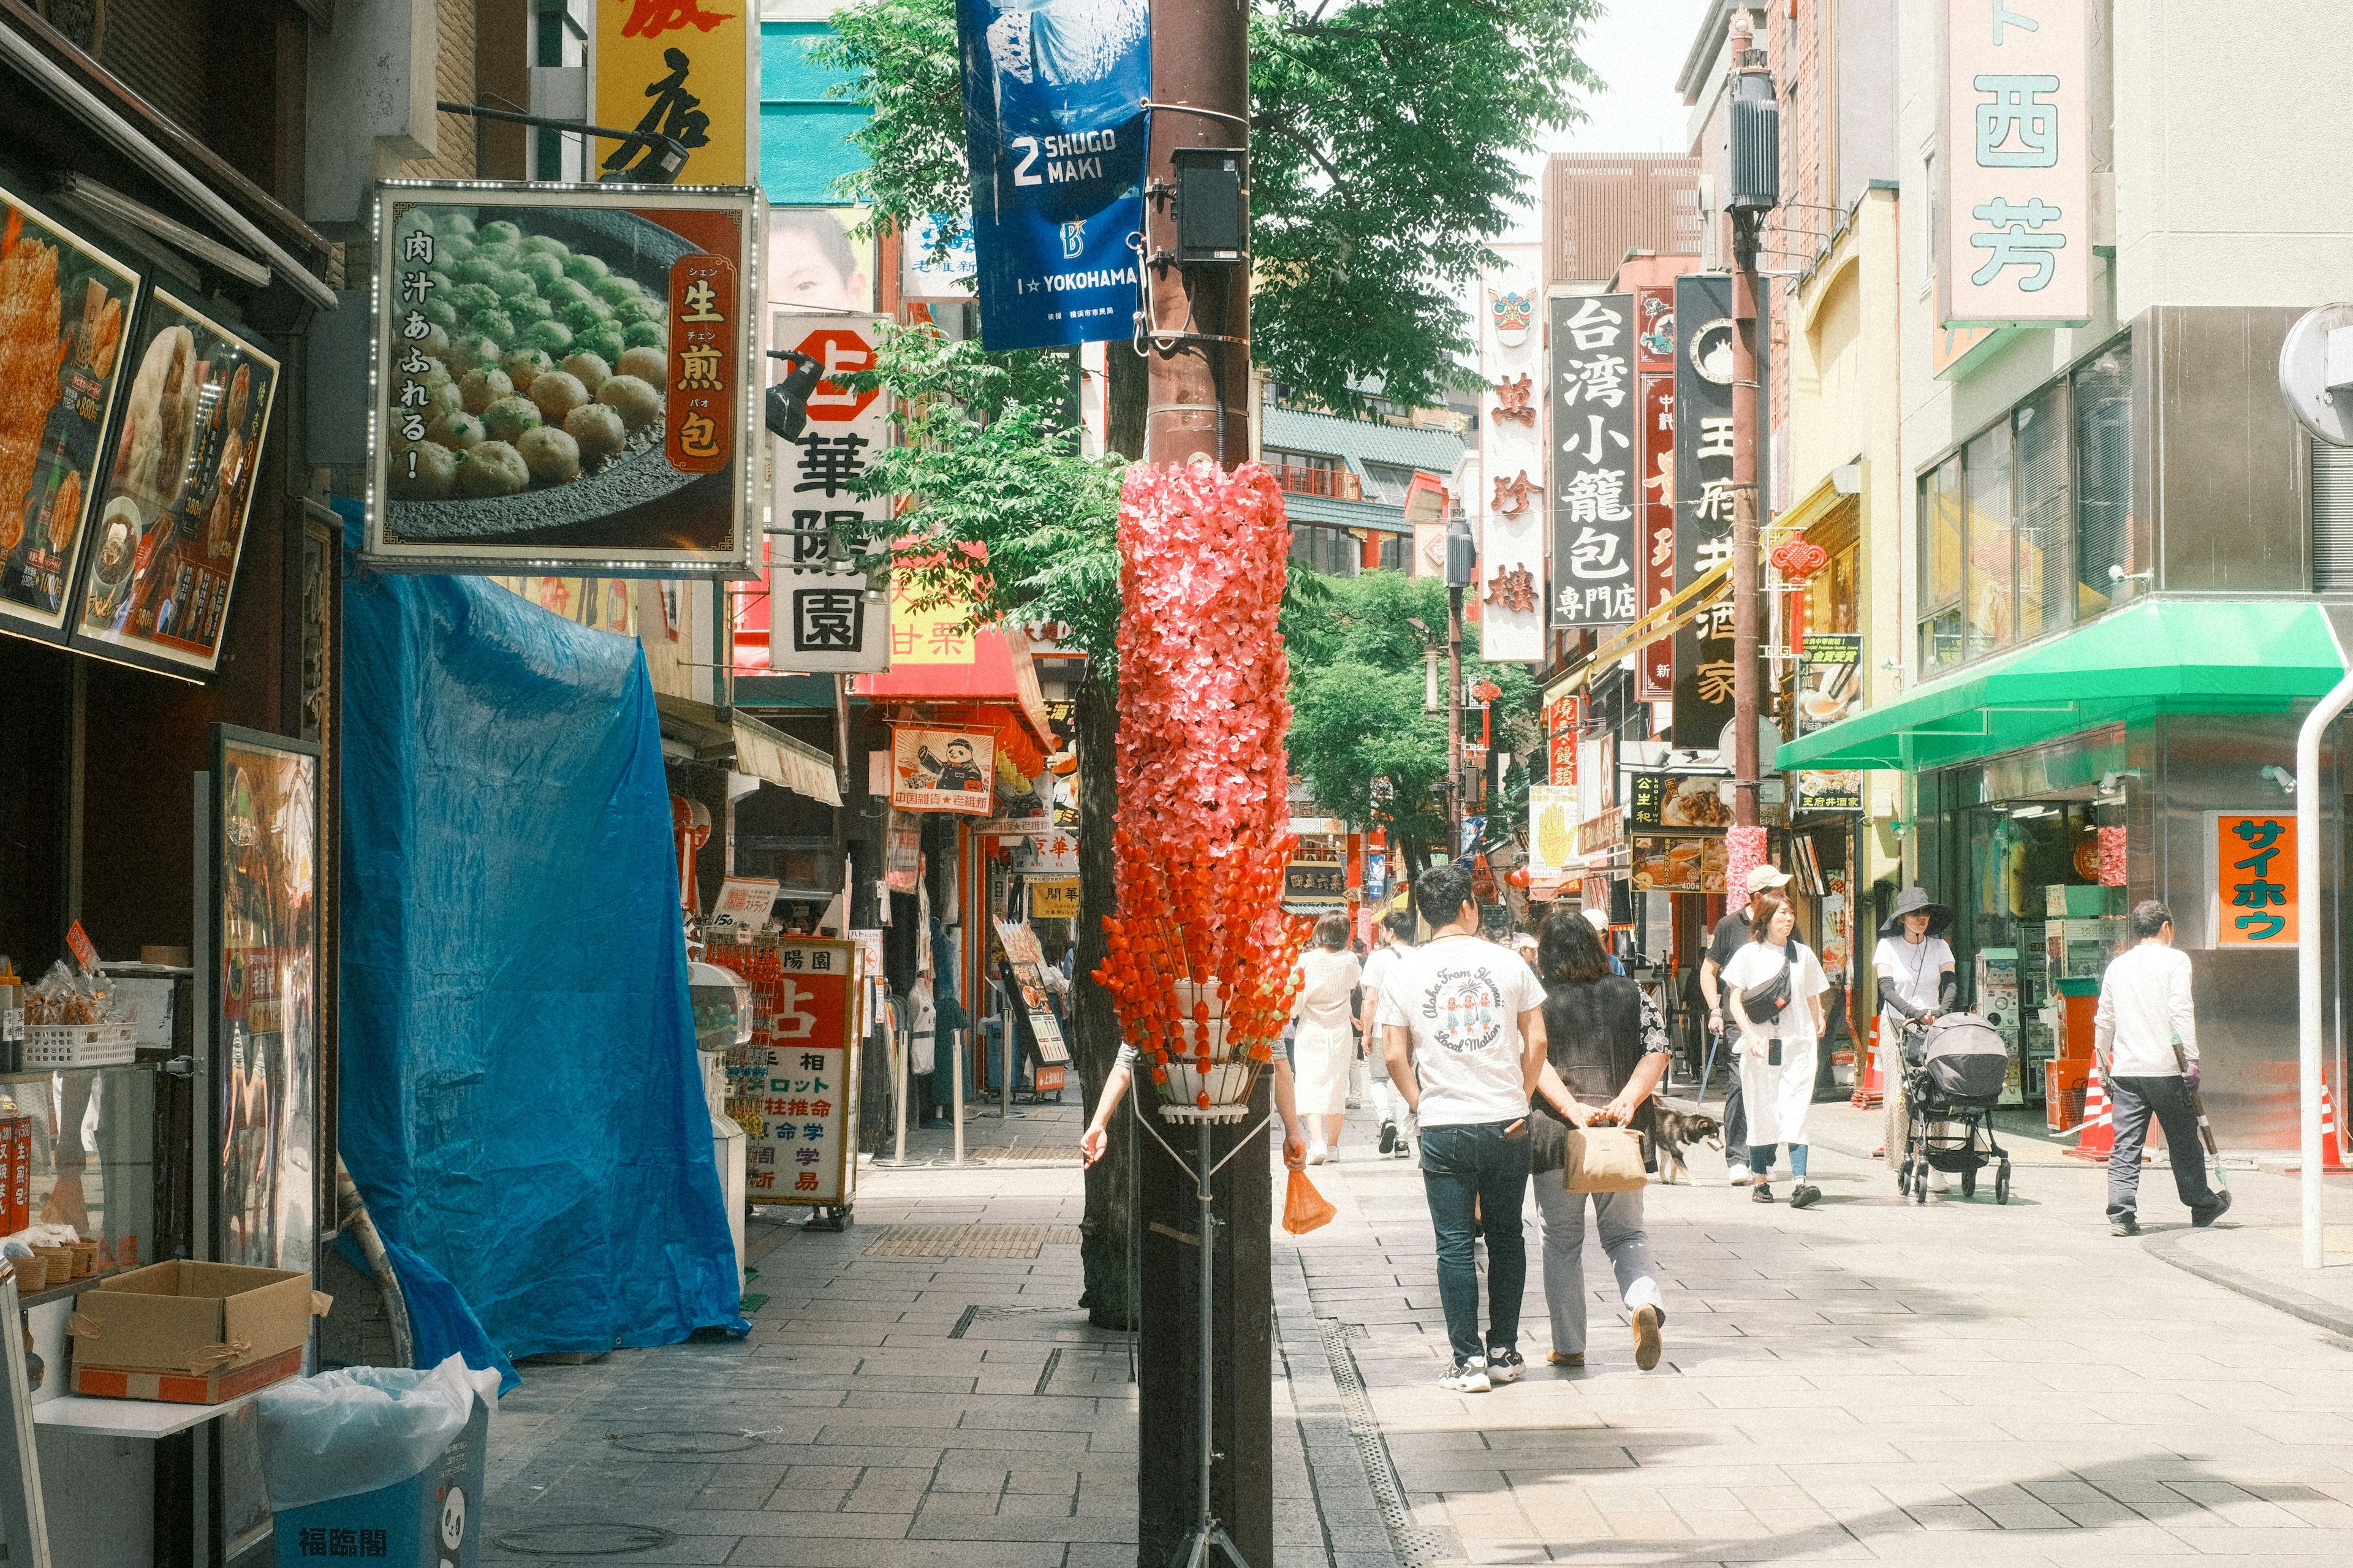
(1761, 877)
(1601, 921)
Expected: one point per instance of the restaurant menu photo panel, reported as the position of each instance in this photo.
(157, 576)
(65, 306)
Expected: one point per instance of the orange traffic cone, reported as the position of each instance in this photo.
(1870, 1087)
(2097, 1131)
(2330, 1160)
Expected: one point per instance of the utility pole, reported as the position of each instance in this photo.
(1754, 191)
(1461, 570)
(1197, 390)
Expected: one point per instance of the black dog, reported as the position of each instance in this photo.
(1675, 1130)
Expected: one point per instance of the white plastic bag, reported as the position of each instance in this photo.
(342, 1433)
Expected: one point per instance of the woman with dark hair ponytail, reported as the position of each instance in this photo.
(1606, 1049)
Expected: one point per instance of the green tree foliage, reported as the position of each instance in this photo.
(1004, 512)
(1357, 686)
(1386, 136)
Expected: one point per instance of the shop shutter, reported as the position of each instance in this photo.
(158, 50)
(2332, 518)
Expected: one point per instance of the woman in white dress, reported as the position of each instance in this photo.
(1323, 1044)
(1774, 987)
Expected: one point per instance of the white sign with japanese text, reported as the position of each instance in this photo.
(1595, 532)
(2015, 228)
(821, 622)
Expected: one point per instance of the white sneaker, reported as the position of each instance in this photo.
(1738, 1176)
(1316, 1152)
(1467, 1376)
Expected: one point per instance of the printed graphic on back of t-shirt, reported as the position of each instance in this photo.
(1464, 1009)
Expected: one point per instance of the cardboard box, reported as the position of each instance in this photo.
(430, 1521)
(192, 1332)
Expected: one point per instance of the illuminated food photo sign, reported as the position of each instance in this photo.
(566, 380)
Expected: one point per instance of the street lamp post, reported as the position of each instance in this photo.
(1756, 189)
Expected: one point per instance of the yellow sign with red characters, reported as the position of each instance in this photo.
(683, 68)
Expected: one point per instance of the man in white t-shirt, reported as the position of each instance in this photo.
(1463, 1032)
(1393, 936)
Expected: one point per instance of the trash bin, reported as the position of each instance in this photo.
(378, 1464)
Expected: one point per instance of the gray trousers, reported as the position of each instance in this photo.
(2134, 1101)
(1618, 1217)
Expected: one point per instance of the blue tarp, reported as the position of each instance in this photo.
(521, 1103)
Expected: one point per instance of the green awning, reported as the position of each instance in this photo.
(2193, 656)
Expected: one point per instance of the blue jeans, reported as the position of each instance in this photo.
(1474, 1172)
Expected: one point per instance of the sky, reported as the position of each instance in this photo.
(1636, 46)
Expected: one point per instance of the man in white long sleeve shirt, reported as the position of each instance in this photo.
(2144, 1008)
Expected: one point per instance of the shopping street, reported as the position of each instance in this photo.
(1853, 1383)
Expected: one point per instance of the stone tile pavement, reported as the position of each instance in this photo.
(1867, 1381)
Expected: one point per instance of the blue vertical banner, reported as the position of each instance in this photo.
(1054, 131)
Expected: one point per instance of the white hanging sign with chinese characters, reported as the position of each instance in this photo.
(822, 622)
(2015, 228)
(1511, 586)
(1594, 526)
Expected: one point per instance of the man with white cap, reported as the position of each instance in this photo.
(1599, 921)
(1731, 935)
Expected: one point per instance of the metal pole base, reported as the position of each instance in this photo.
(1212, 1536)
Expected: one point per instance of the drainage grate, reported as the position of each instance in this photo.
(686, 1442)
(1003, 1241)
(975, 1314)
(590, 1538)
(1416, 1546)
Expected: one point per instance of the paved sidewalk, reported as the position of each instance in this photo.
(1854, 1382)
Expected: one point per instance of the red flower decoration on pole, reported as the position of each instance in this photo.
(1199, 956)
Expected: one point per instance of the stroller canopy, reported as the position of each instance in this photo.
(1964, 1058)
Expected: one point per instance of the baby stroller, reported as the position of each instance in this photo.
(1954, 1070)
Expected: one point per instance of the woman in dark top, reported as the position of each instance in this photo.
(1606, 1051)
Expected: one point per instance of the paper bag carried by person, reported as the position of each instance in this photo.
(1304, 1208)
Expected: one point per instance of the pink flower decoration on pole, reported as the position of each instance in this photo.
(1199, 956)
(1744, 851)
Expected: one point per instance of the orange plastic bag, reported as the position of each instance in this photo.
(1304, 1208)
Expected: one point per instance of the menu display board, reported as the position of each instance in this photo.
(163, 555)
(568, 380)
(1667, 865)
(64, 307)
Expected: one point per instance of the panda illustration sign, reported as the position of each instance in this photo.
(942, 770)
(1054, 131)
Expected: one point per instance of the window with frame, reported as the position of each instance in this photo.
(2019, 528)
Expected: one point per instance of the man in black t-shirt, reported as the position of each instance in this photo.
(1731, 935)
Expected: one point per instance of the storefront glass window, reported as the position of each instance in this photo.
(1991, 572)
(1940, 567)
(2040, 456)
(2103, 476)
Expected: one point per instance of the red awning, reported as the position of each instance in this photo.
(987, 677)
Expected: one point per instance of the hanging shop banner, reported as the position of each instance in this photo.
(1602, 832)
(674, 68)
(821, 622)
(1053, 853)
(1594, 547)
(64, 307)
(2014, 225)
(941, 770)
(1704, 498)
(1552, 819)
(1654, 443)
(1659, 800)
(1830, 689)
(1666, 865)
(1511, 444)
(793, 1089)
(1564, 728)
(1053, 898)
(186, 454)
(606, 604)
(1316, 879)
(2256, 901)
(569, 380)
(1054, 134)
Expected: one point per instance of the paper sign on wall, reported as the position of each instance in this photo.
(941, 770)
